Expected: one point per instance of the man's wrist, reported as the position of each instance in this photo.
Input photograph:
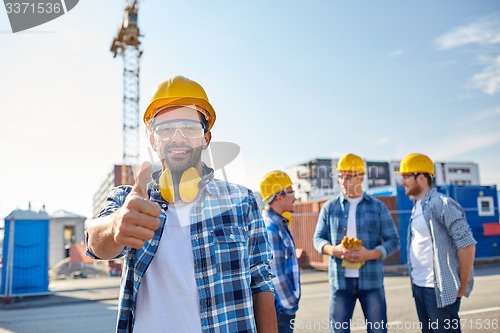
(329, 249)
(375, 254)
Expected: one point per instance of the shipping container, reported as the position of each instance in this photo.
(480, 204)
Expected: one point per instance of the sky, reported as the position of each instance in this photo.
(290, 81)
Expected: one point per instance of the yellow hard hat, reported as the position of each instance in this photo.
(416, 163)
(274, 182)
(179, 91)
(351, 162)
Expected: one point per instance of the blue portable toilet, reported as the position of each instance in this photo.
(25, 254)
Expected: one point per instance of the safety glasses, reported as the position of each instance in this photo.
(287, 192)
(188, 129)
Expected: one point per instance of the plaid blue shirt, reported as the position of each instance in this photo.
(231, 256)
(449, 232)
(285, 265)
(373, 225)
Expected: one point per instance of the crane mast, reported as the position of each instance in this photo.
(127, 45)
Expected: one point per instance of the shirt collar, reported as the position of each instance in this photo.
(428, 195)
(275, 217)
(364, 196)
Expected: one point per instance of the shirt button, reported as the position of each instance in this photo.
(153, 243)
(231, 236)
(136, 278)
(164, 205)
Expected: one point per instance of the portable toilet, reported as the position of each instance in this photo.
(25, 254)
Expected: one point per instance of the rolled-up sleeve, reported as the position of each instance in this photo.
(259, 250)
(389, 233)
(115, 200)
(322, 233)
(456, 223)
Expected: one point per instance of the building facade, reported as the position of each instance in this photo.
(314, 180)
(65, 229)
(119, 175)
(317, 179)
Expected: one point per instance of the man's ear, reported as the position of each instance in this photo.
(207, 137)
(421, 178)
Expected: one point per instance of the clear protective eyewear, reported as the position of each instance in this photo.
(407, 176)
(189, 129)
(285, 192)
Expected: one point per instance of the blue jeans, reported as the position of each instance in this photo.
(372, 302)
(284, 325)
(432, 318)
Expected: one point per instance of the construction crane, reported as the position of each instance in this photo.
(127, 44)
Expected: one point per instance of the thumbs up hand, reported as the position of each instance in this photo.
(136, 221)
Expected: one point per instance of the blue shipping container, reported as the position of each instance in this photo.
(480, 204)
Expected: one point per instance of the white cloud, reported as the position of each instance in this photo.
(492, 112)
(479, 118)
(381, 142)
(462, 144)
(483, 31)
(488, 80)
(448, 62)
(396, 53)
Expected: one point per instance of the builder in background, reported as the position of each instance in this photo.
(197, 258)
(361, 217)
(441, 248)
(277, 192)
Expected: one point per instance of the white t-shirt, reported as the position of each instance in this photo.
(167, 300)
(351, 231)
(422, 269)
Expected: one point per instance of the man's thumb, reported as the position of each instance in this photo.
(142, 180)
